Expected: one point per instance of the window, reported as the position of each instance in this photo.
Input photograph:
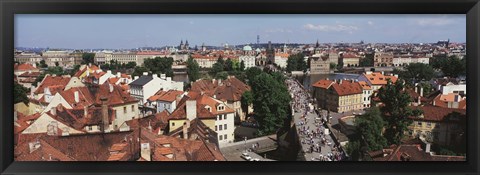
(89, 128)
(225, 126)
(215, 127)
(419, 123)
(225, 117)
(220, 127)
(124, 110)
(220, 117)
(173, 124)
(221, 137)
(429, 124)
(133, 108)
(225, 136)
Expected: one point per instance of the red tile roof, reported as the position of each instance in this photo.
(24, 67)
(52, 82)
(409, 152)
(347, 88)
(438, 114)
(168, 96)
(230, 89)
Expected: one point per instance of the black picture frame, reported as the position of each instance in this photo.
(8, 8)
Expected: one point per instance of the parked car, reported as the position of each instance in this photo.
(246, 156)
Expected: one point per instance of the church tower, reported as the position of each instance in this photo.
(270, 53)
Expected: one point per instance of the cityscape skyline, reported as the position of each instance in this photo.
(134, 31)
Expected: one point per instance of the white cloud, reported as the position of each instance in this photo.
(434, 21)
(329, 28)
(370, 23)
(191, 22)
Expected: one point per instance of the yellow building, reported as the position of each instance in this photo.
(440, 125)
(338, 96)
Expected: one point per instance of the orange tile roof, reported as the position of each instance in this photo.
(443, 100)
(364, 85)
(230, 89)
(325, 84)
(168, 96)
(434, 113)
(376, 78)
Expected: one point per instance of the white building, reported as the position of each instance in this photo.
(367, 94)
(453, 88)
(147, 85)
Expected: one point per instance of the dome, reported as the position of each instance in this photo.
(247, 48)
(258, 50)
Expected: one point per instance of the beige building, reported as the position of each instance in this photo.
(319, 64)
(338, 96)
(382, 59)
(439, 125)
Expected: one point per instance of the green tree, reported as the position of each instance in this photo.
(221, 75)
(75, 69)
(193, 69)
(396, 110)
(216, 68)
(251, 73)
(296, 62)
(333, 66)
(454, 67)
(242, 65)
(416, 72)
(43, 64)
(88, 58)
(246, 100)
(160, 65)
(271, 103)
(139, 71)
(228, 65)
(367, 61)
(369, 127)
(20, 93)
(131, 65)
(353, 149)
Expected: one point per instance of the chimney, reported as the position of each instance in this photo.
(427, 148)
(105, 120)
(53, 110)
(185, 130)
(110, 86)
(77, 98)
(326, 79)
(109, 72)
(418, 101)
(34, 65)
(383, 73)
(145, 152)
(135, 78)
(421, 91)
(191, 109)
(145, 73)
(119, 74)
(340, 82)
(34, 146)
(85, 111)
(163, 76)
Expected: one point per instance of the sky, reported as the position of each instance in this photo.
(132, 31)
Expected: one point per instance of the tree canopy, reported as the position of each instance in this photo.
(296, 62)
(369, 127)
(160, 65)
(396, 110)
(193, 69)
(416, 72)
(20, 93)
(451, 66)
(88, 58)
(271, 103)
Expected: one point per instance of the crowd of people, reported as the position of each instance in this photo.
(315, 138)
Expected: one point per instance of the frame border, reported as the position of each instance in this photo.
(9, 8)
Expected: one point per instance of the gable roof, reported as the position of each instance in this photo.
(347, 88)
(377, 78)
(141, 81)
(230, 89)
(325, 84)
(52, 81)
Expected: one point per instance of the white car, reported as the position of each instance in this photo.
(246, 156)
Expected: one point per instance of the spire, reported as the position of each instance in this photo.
(317, 45)
(186, 41)
(181, 42)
